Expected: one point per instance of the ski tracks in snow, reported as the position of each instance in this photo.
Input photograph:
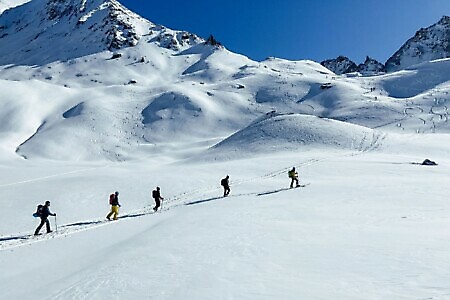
(192, 197)
(50, 176)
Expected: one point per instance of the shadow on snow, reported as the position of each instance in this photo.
(204, 200)
(272, 192)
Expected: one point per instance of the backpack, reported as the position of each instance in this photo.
(39, 211)
(155, 194)
(292, 174)
(223, 182)
(111, 199)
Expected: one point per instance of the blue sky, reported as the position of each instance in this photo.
(299, 29)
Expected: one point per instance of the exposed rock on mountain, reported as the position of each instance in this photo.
(428, 44)
(340, 65)
(343, 65)
(43, 31)
(371, 65)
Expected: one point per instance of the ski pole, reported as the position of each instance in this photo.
(56, 224)
(162, 201)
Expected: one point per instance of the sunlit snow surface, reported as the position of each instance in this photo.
(371, 222)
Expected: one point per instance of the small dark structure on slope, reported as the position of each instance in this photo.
(428, 162)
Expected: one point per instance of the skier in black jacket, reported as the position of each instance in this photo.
(225, 182)
(156, 194)
(43, 213)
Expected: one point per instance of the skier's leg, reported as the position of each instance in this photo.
(36, 232)
(157, 204)
(110, 214)
(115, 211)
(47, 225)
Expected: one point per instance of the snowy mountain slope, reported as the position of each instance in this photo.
(175, 113)
(170, 88)
(278, 132)
(122, 104)
(44, 31)
(6, 4)
(417, 80)
(428, 44)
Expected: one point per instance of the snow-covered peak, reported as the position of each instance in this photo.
(44, 31)
(428, 44)
(340, 65)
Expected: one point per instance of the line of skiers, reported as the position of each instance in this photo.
(43, 211)
(114, 202)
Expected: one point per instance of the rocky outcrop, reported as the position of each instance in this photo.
(340, 65)
(44, 31)
(428, 44)
(371, 66)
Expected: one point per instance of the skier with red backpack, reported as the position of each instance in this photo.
(114, 202)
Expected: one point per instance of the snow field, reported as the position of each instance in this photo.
(370, 225)
(78, 125)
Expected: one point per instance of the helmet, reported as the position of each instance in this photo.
(116, 193)
(47, 202)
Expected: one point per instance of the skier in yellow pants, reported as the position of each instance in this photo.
(114, 201)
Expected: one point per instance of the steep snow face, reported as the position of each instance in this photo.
(428, 44)
(43, 31)
(340, 65)
(431, 77)
(6, 4)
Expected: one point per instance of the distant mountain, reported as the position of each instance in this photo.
(428, 44)
(343, 65)
(95, 78)
(340, 65)
(43, 31)
(371, 65)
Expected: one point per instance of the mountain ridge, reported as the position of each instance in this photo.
(63, 30)
(427, 44)
(174, 88)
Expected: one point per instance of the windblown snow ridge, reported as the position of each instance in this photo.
(278, 132)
